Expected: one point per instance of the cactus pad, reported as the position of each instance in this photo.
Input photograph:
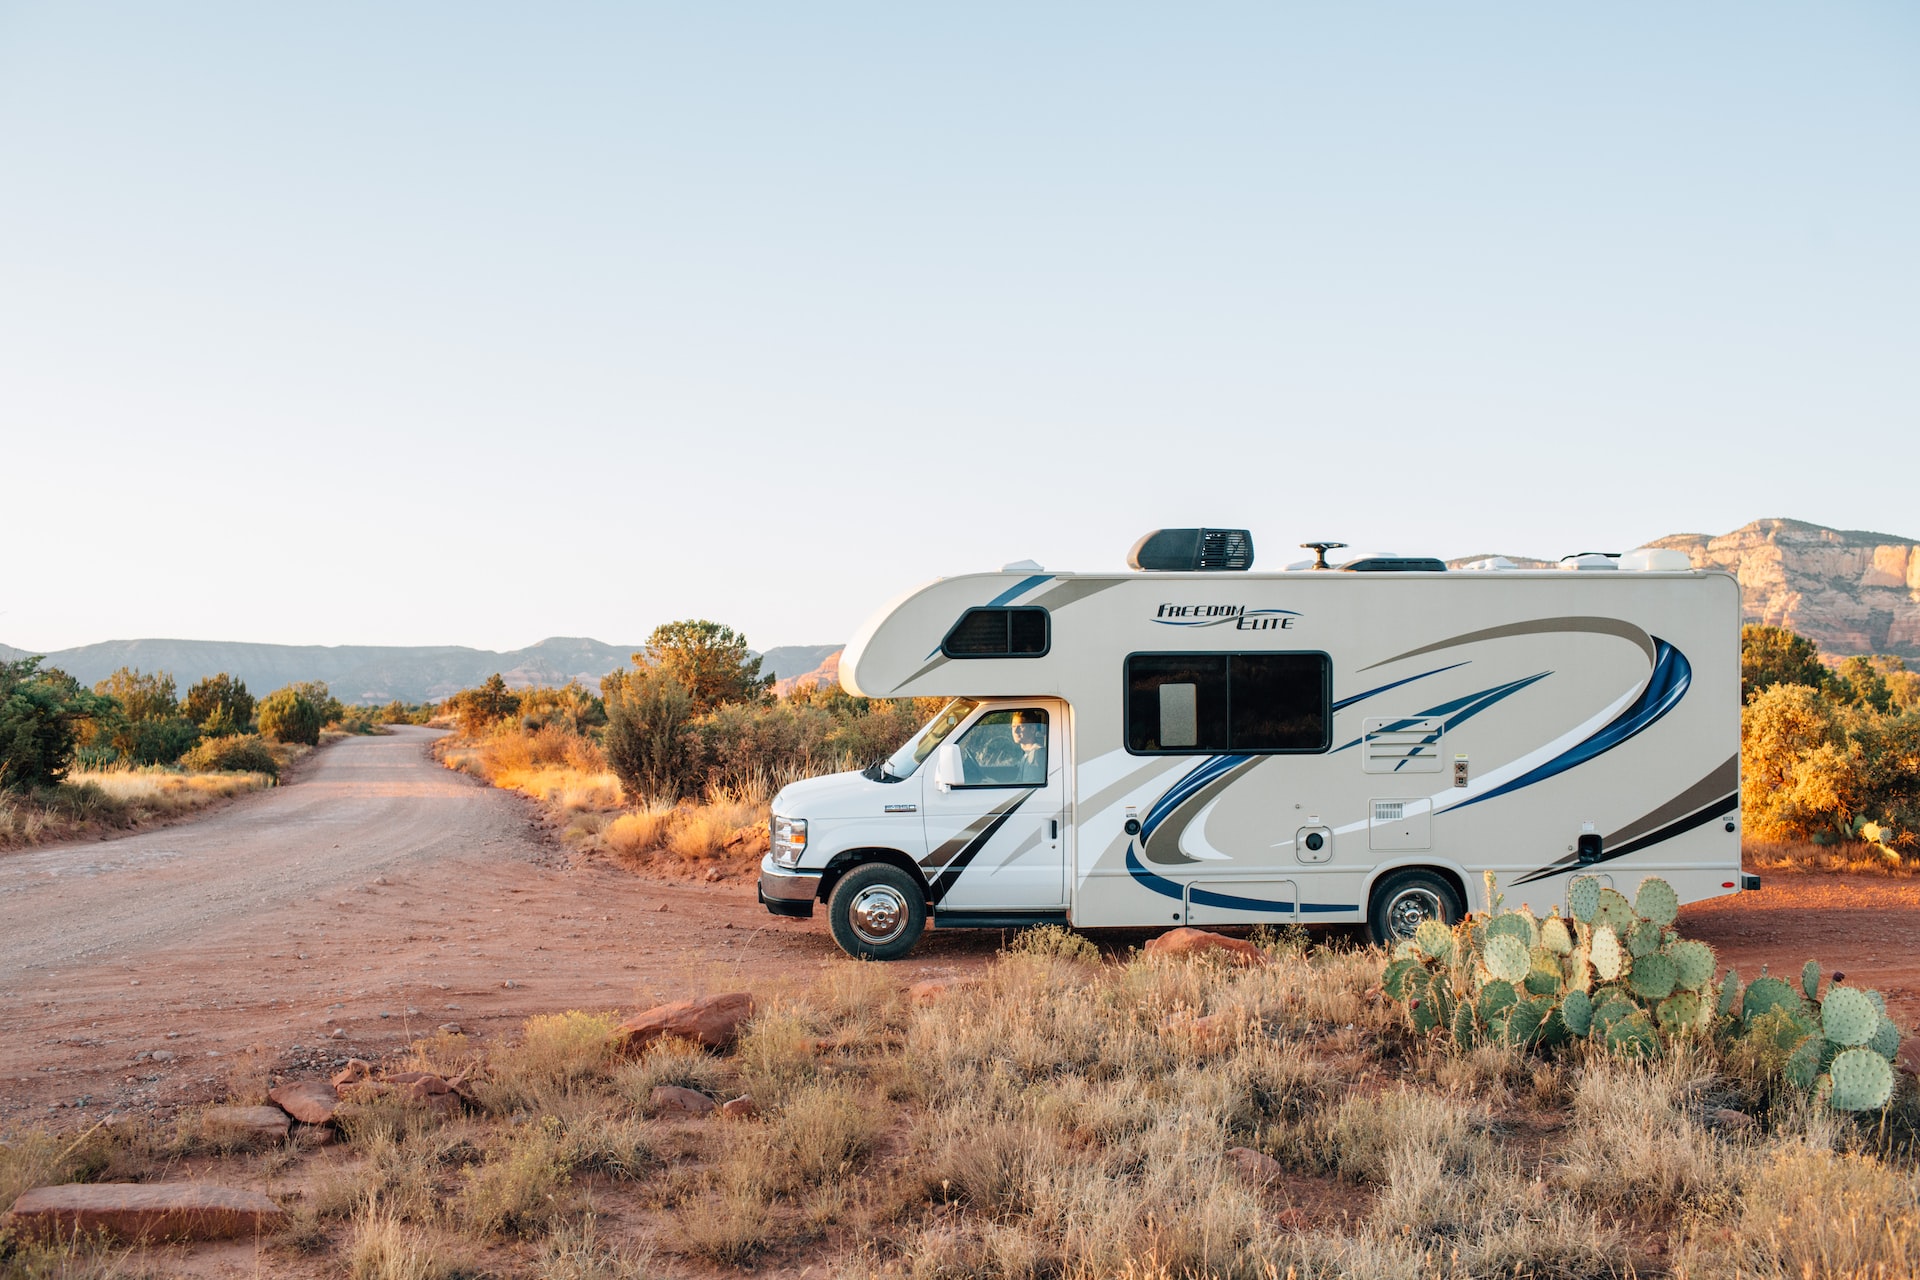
(1495, 998)
(1465, 1033)
(1632, 1037)
(1652, 977)
(1612, 1011)
(1804, 1063)
(1879, 1001)
(1730, 993)
(1433, 940)
(1511, 924)
(1764, 994)
(1886, 1039)
(1577, 1010)
(1506, 957)
(1526, 1019)
(1645, 938)
(1583, 898)
(1810, 979)
(1679, 1014)
(1615, 912)
(1848, 1017)
(1657, 901)
(1555, 937)
(1394, 980)
(1607, 957)
(1693, 965)
(1421, 1014)
(1862, 1081)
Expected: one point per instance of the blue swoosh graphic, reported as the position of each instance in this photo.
(1672, 673)
(1196, 778)
(1209, 898)
(1462, 709)
(1344, 703)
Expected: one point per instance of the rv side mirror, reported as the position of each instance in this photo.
(946, 766)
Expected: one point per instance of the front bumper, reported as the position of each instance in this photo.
(789, 893)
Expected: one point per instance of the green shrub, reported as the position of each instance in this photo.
(41, 715)
(647, 744)
(481, 707)
(286, 715)
(220, 705)
(240, 753)
(161, 741)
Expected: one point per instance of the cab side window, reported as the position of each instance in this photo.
(1005, 749)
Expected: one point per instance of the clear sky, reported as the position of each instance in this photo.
(476, 323)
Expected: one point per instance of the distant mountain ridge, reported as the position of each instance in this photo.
(379, 673)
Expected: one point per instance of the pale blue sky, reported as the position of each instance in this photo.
(476, 323)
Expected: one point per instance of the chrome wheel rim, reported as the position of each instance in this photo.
(1408, 908)
(878, 914)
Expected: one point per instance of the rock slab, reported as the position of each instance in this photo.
(244, 1124)
(308, 1101)
(671, 1098)
(1194, 942)
(712, 1021)
(142, 1211)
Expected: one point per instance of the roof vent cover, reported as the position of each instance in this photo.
(1192, 550)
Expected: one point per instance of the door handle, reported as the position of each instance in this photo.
(1053, 828)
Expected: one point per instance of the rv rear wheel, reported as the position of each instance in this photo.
(1404, 899)
(877, 912)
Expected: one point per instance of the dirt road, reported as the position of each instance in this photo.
(381, 895)
(360, 907)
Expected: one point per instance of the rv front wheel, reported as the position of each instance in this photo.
(1404, 899)
(877, 912)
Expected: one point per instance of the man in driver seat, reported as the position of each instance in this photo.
(1030, 735)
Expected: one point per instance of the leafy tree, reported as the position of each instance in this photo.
(220, 705)
(648, 743)
(1775, 655)
(331, 709)
(41, 713)
(571, 706)
(1860, 681)
(482, 707)
(710, 661)
(287, 715)
(141, 697)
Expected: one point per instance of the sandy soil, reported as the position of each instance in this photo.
(381, 895)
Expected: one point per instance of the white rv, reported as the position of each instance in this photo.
(1194, 743)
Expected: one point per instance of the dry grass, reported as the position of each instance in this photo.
(567, 777)
(1071, 1117)
(119, 800)
(1791, 857)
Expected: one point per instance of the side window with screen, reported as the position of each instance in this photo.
(1023, 631)
(1005, 749)
(1220, 703)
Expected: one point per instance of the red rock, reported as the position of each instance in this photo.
(142, 1211)
(308, 1101)
(244, 1124)
(1193, 942)
(420, 1084)
(1254, 1167)
(740, 1108)
(930, 990)
(713, 1021)
(354, 1072)
(668, 1098)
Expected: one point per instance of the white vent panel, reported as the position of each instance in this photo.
(1401, 744)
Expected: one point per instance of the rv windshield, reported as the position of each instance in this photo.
(903, 762)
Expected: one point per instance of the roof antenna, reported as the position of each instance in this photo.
(1320, 550)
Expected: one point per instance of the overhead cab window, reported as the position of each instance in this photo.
(1021, 631)
(1228, 703)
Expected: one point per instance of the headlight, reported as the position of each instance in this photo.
(789, 840)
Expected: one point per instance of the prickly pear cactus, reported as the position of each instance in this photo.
(1496, 998)
(1645, 938)
(1433, 940)
(1652, 977)
(1555, 937)
(1731, 993)
(1862, 1081)
(1607, 958)
(1679, 1014)
(1513, 925)
(1506, 956)
(1577, 1010)
(1632, 1037)
(1583, 898)
(1693, 965)
(1764, 994)
(1848, 1017)
(1810, 980)
(1466, 1032)
(1886, 1039)
(1657, 901)
(1615, 912)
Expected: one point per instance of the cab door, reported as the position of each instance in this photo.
(995, 811)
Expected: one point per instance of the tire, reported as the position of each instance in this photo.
(1405, 898)
(877, 912)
